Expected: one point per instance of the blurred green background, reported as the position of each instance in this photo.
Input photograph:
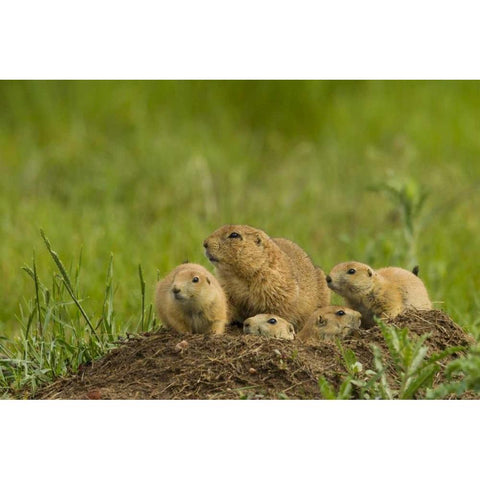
(147, 169)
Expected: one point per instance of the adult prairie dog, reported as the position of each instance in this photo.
(190, 300)
(385, 292)
(261, 274)
(269, 325)
(329, 322)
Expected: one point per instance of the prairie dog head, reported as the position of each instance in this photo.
(331, 321)
(350, 279)
(238, 248)
(192, 282)
(269, 325)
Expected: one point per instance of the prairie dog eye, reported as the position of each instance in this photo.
(340, 313)
(195, 279)
(272, 321)
(351, 271)
(234, 235)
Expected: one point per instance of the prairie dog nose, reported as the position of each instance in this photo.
(175, 289)
(205, 244)
(246, 323)
(328, 278)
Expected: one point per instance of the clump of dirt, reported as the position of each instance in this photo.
(168, 365)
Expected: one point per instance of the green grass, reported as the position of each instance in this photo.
(144, 171)
(412, 372)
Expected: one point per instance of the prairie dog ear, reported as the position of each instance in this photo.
(370, 272)
(208, 280)
(258, 239)
(291, 329)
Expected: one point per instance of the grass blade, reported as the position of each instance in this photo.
(142, 289)
(68, 284)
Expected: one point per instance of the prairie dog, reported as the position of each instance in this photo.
(269, 325)
(190, 300)
(385, 292)
(261, 274)
(329, 322)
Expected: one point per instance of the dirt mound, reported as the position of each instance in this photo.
(167, 365)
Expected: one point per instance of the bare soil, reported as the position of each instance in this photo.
(168, 365)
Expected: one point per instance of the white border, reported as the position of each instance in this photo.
(186, 39)
(239, 439)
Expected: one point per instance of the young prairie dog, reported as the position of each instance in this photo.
(190, 300)
(269, 325)
(385, 292)
(329, 322)
(261, 274)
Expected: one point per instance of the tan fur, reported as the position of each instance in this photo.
(262, 324)
(260, 275)
(191, 307)
(385, 292)
(329, 322)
